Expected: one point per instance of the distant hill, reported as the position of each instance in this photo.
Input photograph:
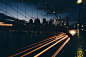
(6, 19)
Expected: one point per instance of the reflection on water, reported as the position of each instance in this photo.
(80, 52)
(79, 45)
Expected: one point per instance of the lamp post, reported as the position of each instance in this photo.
(79, 3)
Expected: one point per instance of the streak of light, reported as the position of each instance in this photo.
(50, 47)
(30, 48)
(40, 47)
(54, 55)
(2, 24)
(36, 45)
(44, 40)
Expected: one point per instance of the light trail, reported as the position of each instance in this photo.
(50, 47)
(40, 47)
(43, 40)
(49, 39)
(54, 55)
(38, 42)
(29, 48)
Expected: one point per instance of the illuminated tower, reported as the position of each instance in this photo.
(67, 22)
(59, 17)
(54, 22)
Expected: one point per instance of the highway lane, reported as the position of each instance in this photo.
(39, 48)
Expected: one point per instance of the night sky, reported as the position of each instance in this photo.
(63, 8)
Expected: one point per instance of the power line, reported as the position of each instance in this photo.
(13, 8)
(20, 9)
(17, 9)
(25, 9)
(7, 13)
(50, 8)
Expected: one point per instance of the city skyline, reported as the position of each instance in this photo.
(62, 8)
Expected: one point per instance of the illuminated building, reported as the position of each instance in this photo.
(3, 24)
(59, 17)
(67, 22)
(54, 22)
(63, 23)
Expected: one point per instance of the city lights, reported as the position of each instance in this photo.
(2, 24)
(45, 2)
(67, 27)
(82, 26)
(53, 11)
(72, 32)
(61, 21)
(79, 1)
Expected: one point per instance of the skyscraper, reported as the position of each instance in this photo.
(54, 22)
(44, 20)
(62, 23)
(31, 21)
(67, 22)
(37, 21)
(59, 17)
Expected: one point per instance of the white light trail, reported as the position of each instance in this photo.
(37, 45)
(54, 55)
(40, 47)
(50, 47)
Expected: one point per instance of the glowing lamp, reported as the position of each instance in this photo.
(79, 1)
(45, 2)
(62, 21)
(53, 11)
(82, 29)
(67, 27)
(72, 32)
(82, 26)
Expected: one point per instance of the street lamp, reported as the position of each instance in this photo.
(79, 3)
